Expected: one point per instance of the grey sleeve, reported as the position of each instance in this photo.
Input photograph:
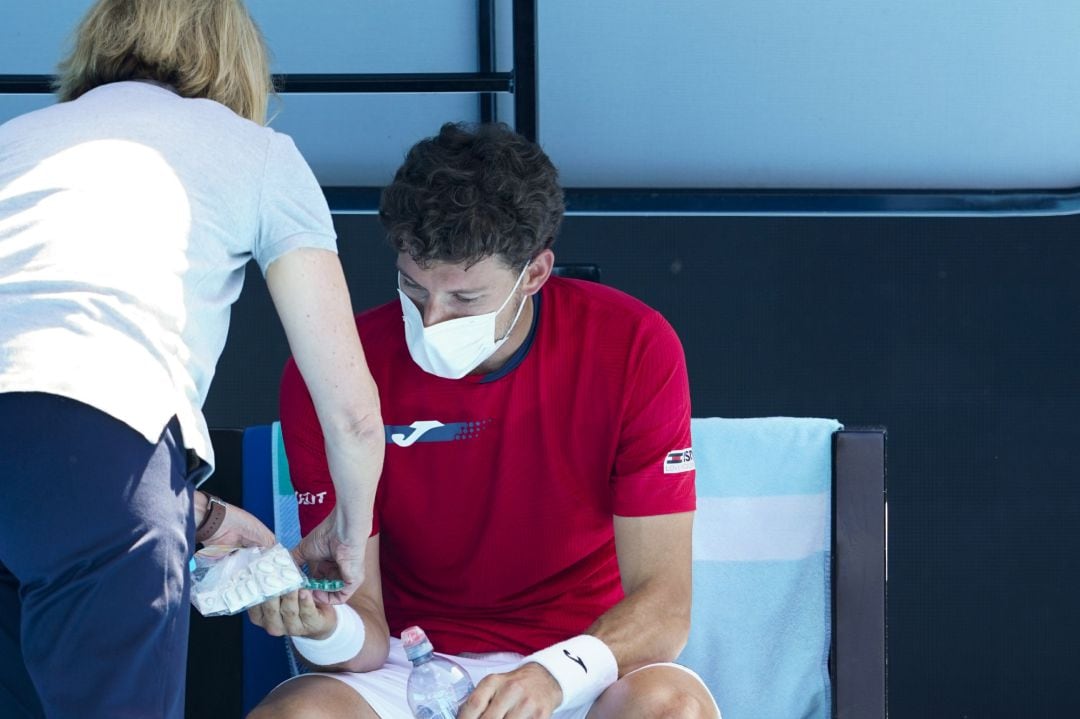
(292, 209)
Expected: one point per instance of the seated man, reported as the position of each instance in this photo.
(535, 508)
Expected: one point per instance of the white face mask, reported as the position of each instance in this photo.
(453, 348)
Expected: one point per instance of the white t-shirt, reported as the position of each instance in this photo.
(126, 219)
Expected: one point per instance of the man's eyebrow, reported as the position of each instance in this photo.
(462, 291)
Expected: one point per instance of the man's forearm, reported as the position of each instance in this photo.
(649, 625)
(372, 649)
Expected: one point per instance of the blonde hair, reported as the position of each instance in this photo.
(202, 48)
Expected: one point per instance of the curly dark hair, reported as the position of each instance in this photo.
(472, 192)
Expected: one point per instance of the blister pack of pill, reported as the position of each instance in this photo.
(228, 580)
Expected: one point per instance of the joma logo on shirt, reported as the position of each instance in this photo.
(432, 430)
(419, 429)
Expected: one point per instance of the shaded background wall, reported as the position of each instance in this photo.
(959, 335)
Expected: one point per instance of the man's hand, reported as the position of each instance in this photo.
(528, 692)
(335, 550)
(239, 529)
(295, 614)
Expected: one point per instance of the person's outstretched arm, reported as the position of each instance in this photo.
(309, 291)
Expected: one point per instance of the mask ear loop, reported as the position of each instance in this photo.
(520, 306)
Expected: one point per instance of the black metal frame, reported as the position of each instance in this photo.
(635, 202)
(858, 662)
(436, 82)
(521, 82)
(485, 55)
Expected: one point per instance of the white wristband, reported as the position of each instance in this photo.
(583, 666)
(344, 643)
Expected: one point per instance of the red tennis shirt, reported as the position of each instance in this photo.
(495, 505)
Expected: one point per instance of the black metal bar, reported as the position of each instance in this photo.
(485, 48)
(396, 82)
(330, 83)
(526, 89)
(834, 203)
(26, 84)
(859, 643)
(658, 203)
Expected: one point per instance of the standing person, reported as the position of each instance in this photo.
(127, 214)
(535, 511)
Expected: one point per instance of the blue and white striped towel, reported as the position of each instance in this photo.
(760, 626)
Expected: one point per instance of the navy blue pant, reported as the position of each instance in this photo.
(96, 528)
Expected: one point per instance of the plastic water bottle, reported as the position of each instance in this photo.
(437, 686)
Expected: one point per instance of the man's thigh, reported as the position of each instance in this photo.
(313, 696)
(653, 691)
(377, 694)
(657, 690)
(381, 691)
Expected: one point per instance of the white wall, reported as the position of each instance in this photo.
(707, 93)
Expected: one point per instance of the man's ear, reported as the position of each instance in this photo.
(538, 272)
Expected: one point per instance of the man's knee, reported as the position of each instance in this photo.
(660, 692)
(288, 709)
(674, 703)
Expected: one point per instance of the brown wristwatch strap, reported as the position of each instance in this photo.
(215, 515)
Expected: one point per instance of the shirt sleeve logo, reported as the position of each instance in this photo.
(678, 461)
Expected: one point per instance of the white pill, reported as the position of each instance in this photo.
(232, 600)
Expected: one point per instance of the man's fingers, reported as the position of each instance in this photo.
(290, 614)
(505, 696)
(310, 616)
(339, 597)
(269, 618)
(478, 701)
(255, 615)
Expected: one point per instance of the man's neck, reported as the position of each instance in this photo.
(513, 343)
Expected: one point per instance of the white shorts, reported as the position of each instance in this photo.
(384, 689)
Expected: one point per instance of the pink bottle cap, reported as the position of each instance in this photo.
(412, 636)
